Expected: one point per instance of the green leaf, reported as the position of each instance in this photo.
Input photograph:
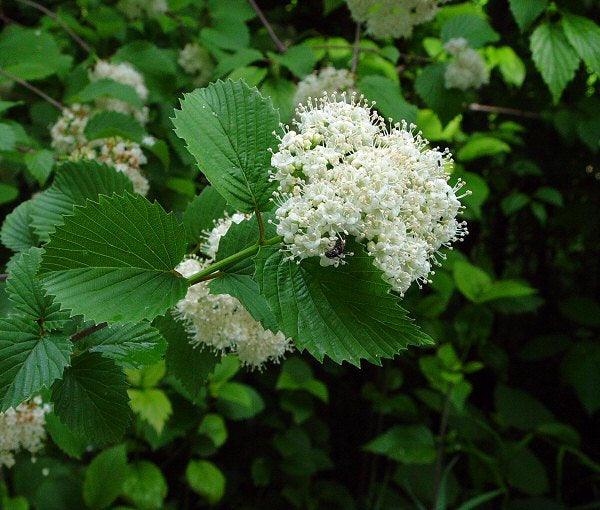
(108, 123)
(252, 75)
(526, 472)
(40, 165)
(430, 86)
(228, 127)
(151, 405)
(130, 345)
(474, 29)
(17, 233)
(240, 58)
(75, 182)
(238, 401)
(410, 444)
(580, 370)
(281, 92)
(553, 57)
(108, 89)
(478, 500)
(213, 426)
(506, 289)
(471, 281)
(190, 366)
(519, 409)
(26, 293)
(7, 137)
(549, 195)
(481, 147)
(202, 212)
(104, 477)
(582, 310)
(509, 63)
(7, 193)
(584, 36)
(388, 98)
(206, 479)
(346, 313)
(71, 444)
(526, 12)
(114, 260)
(300, 60)
(31, 54)
(91, 399)
(297, 375)
(29, 361)
(145, 486)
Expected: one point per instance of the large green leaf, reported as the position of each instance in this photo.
(29, 360)
(584, 36)
(75, 182)
(130, 345)
(114, 260)
(91, 399)
(228, 127)
(554, 57)
(191, 366)
(474, 29)
(17, 232)
(346, 313)
(447, 103)
(526, 12)
(104, 477)
(202, 211)
(26, 293)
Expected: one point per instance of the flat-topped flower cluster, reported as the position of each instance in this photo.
(467, 69)
(342, 172)
(220, 321)
(22, 428)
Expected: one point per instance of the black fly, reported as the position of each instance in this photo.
(337, 250)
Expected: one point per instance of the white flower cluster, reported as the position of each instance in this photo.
(135, 9)
(342, 173)
(67, 134)
(220, 321)
(326, 81)
(22, 428)
(126, 74)
(196, 61)
(392, 18)
(467, 69)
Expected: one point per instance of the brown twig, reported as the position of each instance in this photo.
(33, 89)
(88, 331)
(280, 46)
(355, 47)
(476, 107)
(48, 12)
(439, 458)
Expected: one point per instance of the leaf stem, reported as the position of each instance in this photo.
(250, 251)
(55, 17)
(280, 46)
(33, 89)
(437, 476)
(88, 331)
(261, 227)
(476, 107)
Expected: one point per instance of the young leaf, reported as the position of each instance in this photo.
(346, 313)
(411, 444)
(228, 127)
(75, 182)
(130, 345)
(202, 211)
(104, 477)
(114, 260)
(526, 12)
(206, 479)
(145, 486)
(40, 164)
(29, 360)
(17, 232)
(152, 405)
(554, 57)
(26, 293)
(91, 399)
(189, 365)
(584, 36)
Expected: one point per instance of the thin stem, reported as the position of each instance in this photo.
(261, 227)
(232, 259)
(355, 49)
(439, 460)
(212, 276)
(33, 89)
(48, 12)
(280, 46)
(88, 331)
(344, 47)
(476, 107)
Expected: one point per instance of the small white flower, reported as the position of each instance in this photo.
(343, 173)
(467, 69)
(196, 61)
(326, 81)
(134, 9)
(68, 131)
(22, 428)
